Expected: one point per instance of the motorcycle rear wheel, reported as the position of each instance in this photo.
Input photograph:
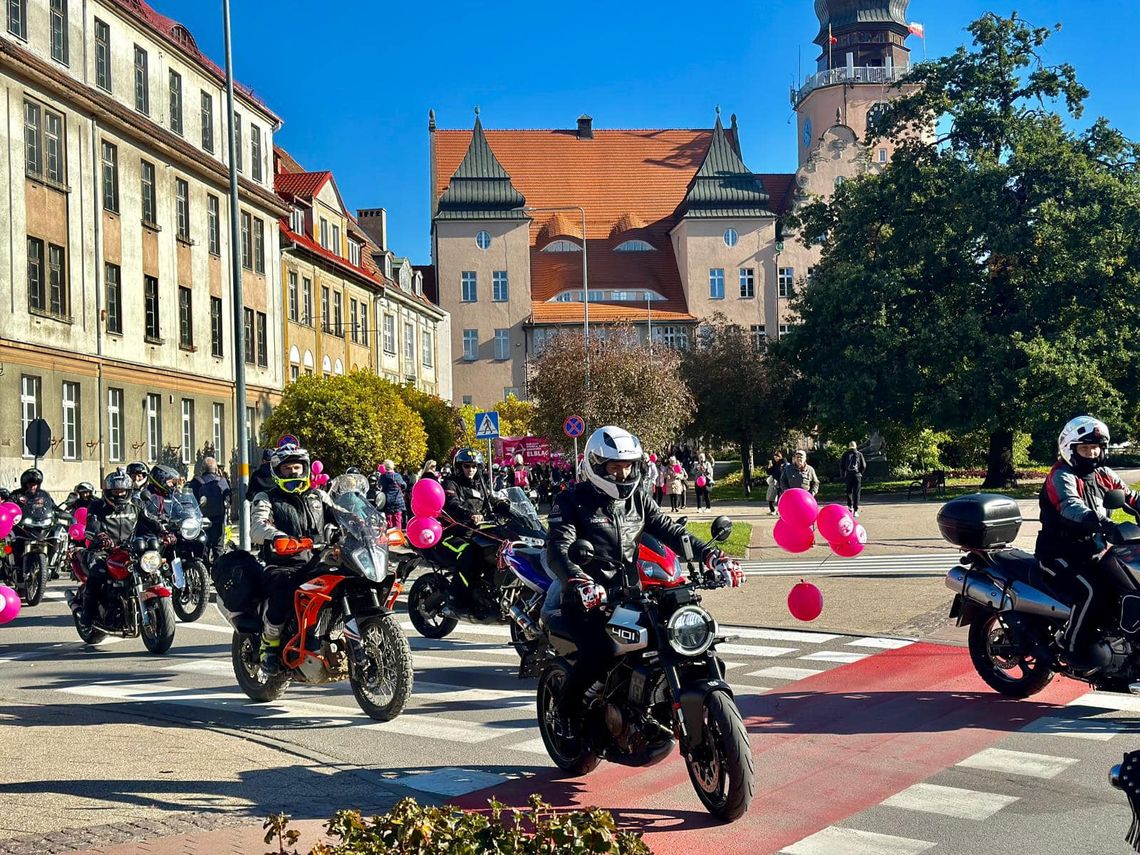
(570, 754)
(159, 634)
(383, 692)
(245, 651)
(190, 603)
(35, 578)
(428, 622)
(721, 768)
(87, 634)
(997, 666)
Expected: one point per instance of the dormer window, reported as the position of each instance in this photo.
(562, 246)
(297, 221)
(608, 295)
(354, 252)
(634, 246)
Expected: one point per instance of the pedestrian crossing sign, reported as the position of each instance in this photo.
(487, 425)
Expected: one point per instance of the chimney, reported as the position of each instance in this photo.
(374, 221)
(585, 127)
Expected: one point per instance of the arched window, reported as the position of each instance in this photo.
(294, 355)
(609, 295)
(326, 366)
(562, 246)
(338, 368)
(634, 246)
(308, 363)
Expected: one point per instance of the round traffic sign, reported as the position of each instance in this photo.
(288, 439)
(574, 426)
(38, 437)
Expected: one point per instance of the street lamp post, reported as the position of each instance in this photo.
(585, 276)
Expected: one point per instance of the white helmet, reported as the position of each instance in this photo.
(606, 445)
(1082, 429)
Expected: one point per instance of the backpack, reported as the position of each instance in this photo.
(853, 463)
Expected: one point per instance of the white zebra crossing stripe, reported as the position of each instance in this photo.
(776, 634)
(1018, 763)
(754, 650)
(842, 657)
(1095, 729)
(950, 801)
(779, 672)
(881, 643)
(835, 840)
(1108, 701)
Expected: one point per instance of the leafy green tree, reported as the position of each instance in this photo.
(441, 421)
(989, 278)
(355, 419)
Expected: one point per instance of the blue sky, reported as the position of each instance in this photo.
(354, 79)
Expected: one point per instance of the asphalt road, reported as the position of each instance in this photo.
(863, 744)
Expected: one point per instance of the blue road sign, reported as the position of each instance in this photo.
(574, 426)
(487, 425)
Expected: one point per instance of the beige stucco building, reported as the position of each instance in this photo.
(677, 227)
(117, 326)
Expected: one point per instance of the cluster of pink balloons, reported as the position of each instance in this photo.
(801, 516)
(318, 478)
(9, 604)
(10, 514)
(78, 528)
(424, 530)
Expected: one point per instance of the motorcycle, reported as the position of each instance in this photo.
(1019, 621)
(134, 599)
(185, 558)
(666, 690)
(44, 538)
(342, 627)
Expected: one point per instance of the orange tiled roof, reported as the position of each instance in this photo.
(303, 184)
(571, 313)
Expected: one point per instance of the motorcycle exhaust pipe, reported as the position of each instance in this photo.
(522, 621)
(1015, 596)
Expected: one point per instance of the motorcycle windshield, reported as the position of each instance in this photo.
(364, 536)
(524, 513)
(40, 515)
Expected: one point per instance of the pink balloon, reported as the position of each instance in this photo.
(847, 548)
(805, 601)
(653, 458)
(80, 516)
(320, 480)
(701, 481)
(793, 538)
(9, 604)
(677, 468)
(860, 534)
(835, 522)
(427, 497)
(798, 507)
(424, 532)
(77, 531)
(317, 467)
(6, 524)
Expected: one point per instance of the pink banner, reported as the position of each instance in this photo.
(534, 449)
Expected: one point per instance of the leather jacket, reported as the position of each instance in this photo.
(120, 524)
(279, 514)
(1072, 511)
(613, 526)
(465, 498)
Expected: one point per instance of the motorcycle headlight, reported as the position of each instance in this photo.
(151, 561)
(690, 630)
(373, 563)
(190, 528)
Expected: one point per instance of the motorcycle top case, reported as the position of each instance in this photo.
(238, 578)
(980, 521)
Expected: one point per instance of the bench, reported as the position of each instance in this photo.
(933, 481)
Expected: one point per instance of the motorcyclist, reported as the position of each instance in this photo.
(83, 496)
(467, 503)
(138, 472)
(1075, 523)
(292, 508)
(111, 520)
(609, 510)
(30, 497)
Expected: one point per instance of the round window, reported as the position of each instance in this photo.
(483, 239)
(731, 237)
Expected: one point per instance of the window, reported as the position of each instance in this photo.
(882, 155)
(59, 34)
(53, 145)
(470, 345)
(297, 221)
(294, 297)
(251, 437)
(338, 317)
(255, 151)
(213, 226)
(502, 344)
(187, 431)
(182, 198)
(562, 246)
(44, 143)
(237, 139)
(18, 18)
(102, 55)
(48, 292)
(759, 337)
(153, 426)
(59, 297)
(219, 430)
(185, 318)
(250, 343)
(37, 299)
(324, 233)
(70, 398)
(207, 122)
(389, 334)
(216, 327)
(483, 239)
(784, 329)
(307, 300)
(176, 102)
(353, 321)
(294, 372)
(150, 297)
(747, 282)
(29, 405)
(716, 283)
(428, 350)
(33, 140)
(149, 203)
(409, 347)
(325, 313)
(259, 245)
(110, 177)
(500, 288)
(262, 340)
(467, 400)
(731, 237)
(142, 82)
(634, 246)
(785, 281)
(115, 424)
(246, 248)
(113, 277)
(335, 239)
(354, 252)
(468, 287)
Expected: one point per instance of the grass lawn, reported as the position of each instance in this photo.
(737, 542)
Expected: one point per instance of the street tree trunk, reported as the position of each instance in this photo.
(999, 460)
(746, 462)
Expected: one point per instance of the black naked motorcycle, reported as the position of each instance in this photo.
(666, 690)
(186, 557)
(40, 538)
(1018, 614)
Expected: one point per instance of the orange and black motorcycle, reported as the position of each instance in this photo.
(342, 627)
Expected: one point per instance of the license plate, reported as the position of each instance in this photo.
(179, 576)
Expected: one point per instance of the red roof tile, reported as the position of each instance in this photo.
(303, 184)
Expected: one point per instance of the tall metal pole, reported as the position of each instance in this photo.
(649, 310)
(585, 298)
(238, 298)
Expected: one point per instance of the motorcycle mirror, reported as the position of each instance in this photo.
(380, 501)
(138, 544)
(721, 528)
(581, 552)
(1114, 499)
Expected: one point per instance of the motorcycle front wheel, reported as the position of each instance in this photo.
(158, 634)
(425, 602)
(35, 577)
(569, 750)
(1006, 669)
(721, 767)
(383, 683)
(191, 601)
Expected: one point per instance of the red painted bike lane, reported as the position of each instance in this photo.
(825, 748)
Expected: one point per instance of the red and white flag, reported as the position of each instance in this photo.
(917, 29)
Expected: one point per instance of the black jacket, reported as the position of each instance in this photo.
(852, 463)
(120, 524)
(614, 527)
(465, 498)
(215, 490)
(1072, 512)
(261, 481)
(280, 514)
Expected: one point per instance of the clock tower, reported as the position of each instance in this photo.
(862, 52)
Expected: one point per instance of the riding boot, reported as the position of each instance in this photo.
(270, 653)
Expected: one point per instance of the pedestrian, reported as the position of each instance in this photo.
(774, 469)
(851, 468)
(650, 479)
(675, 484)
(430, 470)
(703, 468)
(391, 484)
(799, 475)
(213, 493)
(262, 479)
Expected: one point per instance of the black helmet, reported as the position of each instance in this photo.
(467, 457)
(164, 481)
(352, 470)
(117, 488)
(136, 469)
(85, 487)
(31, 476)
